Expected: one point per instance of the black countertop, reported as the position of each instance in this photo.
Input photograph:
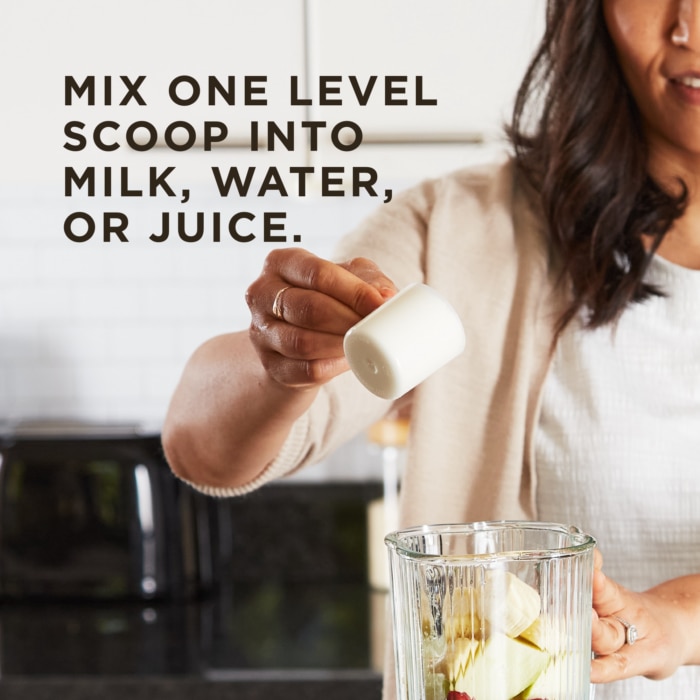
(291, 616)
(316, 687)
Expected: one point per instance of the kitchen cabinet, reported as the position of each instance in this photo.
(467, 56)
(470, 54)
(136, 48)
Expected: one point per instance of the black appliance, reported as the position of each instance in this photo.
(92, 512)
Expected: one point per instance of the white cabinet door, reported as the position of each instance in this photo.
(471, 55)
(42, 41)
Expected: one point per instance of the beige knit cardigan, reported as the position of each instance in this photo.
(474, 237)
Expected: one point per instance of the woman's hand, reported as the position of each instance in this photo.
(664, 620)
(302, 306)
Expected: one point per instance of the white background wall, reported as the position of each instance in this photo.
(102, 330)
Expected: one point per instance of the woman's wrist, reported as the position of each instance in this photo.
(678, 602)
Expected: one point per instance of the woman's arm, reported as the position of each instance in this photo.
(228, 418)
(240, 393)
(667, 619)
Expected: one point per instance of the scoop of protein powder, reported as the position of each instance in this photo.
(404, 341)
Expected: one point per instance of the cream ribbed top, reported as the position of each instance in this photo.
(618, 447)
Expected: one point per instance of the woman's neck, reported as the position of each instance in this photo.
(681, 245)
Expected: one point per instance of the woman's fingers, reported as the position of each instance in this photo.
(302, 373)
(298, 343)
(632, 633)
(358, 284)
(614, 658)
(312, 310)
(614, 667)
(597, 559)
(300, 288)
(302, 306)
(368, 271)
(608, 633)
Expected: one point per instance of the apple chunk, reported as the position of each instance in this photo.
(509, 605)
(500, 668)
(563, 672)
(501, 603)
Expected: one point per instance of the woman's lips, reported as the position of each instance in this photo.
(687, 87)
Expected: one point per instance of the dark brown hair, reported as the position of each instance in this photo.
(585, 153)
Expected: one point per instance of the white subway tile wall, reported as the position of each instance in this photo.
(102, 331)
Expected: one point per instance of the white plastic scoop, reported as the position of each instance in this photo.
(404, 341)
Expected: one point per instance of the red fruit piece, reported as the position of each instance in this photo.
(458, 695)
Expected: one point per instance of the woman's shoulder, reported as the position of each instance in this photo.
(495, 168)
(469, 213)
(487, 183)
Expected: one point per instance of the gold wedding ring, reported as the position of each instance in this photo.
(277, 304)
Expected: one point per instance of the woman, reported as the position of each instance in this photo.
(575, 269)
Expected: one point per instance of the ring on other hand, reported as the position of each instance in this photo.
(277, 304)
(631, 633)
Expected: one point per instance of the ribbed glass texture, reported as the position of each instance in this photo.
(492, 611)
